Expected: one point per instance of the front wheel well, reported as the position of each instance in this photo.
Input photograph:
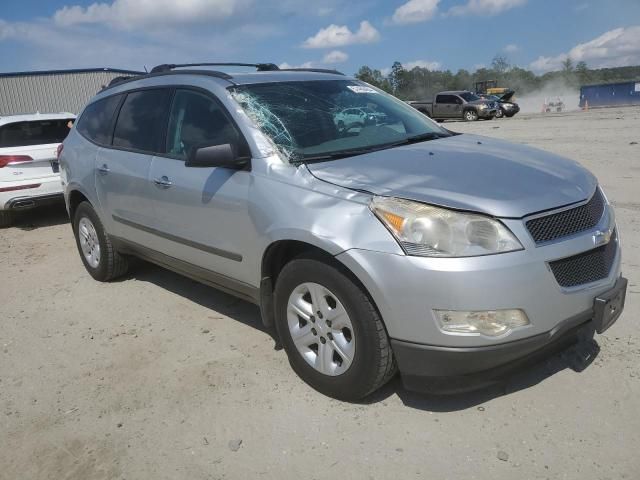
(75, 199)
(277, 255)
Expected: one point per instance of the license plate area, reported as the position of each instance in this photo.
(608, 306)
(55, 166)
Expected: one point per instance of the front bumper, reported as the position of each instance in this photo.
(436, 369)
(408, 289)
(510, 112)
(487, 113)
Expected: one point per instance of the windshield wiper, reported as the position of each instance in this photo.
(423, 137)
(336, 155)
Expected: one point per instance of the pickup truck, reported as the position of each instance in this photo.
(457, 104)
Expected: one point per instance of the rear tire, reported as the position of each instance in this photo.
(6, 218)
(350, 323)
(100, 258)
(499, 113)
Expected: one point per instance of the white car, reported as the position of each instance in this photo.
(350, 117)
(29, 174)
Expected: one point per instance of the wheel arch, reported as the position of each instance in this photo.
(281, 252)
(75, 198)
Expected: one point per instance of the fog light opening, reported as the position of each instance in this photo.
(491, 323)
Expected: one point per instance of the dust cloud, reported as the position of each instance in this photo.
(533, 102)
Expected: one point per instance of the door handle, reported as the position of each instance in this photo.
(103, 170)
(163, 182)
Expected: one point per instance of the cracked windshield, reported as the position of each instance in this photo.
(322, 120)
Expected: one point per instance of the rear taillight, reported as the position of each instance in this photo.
(14, 160)
(59, 151)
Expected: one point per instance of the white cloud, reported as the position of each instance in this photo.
(331, 58)
(131, 34)
(340, 35)
(432, 66)
(127, 14)
(415, 11)
(335, 56)
(422, 64)
(486, 7)
(286, 66)
(511, 48)
(615, 48)
(6, 29)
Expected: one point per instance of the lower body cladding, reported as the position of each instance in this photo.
(409, 291)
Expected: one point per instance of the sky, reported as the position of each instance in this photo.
(437, 34)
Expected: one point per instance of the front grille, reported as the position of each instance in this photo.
(586, 267)
(569, 222)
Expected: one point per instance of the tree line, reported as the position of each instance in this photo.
(422, 84)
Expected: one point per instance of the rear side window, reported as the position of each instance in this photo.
(39, 132)
(96, 121)
(448, 99)
(197, 120)
(142, 121)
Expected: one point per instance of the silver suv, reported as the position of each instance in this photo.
(392, 245)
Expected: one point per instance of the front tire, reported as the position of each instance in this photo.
(499, 113)
(100, 258)
(331, 331)
(470, 116)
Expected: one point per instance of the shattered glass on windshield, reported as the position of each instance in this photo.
(267, 121)
(312, 119)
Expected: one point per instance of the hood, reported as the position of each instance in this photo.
(465, 172)
(507, 96)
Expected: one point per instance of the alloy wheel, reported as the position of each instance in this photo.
(89, 242)
(321, 329)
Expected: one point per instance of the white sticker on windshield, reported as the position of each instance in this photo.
(361, 89)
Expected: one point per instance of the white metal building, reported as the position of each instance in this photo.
(53, 90)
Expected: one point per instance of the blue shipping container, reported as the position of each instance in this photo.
(610, 95)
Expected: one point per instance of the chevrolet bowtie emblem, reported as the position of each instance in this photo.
(602, 238)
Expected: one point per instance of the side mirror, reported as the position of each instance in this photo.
(224, 156)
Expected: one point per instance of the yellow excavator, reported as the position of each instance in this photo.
(490, 87)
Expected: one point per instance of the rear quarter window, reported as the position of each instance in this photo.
(36, 132)
(97, 120)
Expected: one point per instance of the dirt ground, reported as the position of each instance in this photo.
(155, 376)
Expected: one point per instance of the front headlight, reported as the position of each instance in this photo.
(428, 231)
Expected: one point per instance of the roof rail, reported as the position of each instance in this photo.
(315, 70)
(123, 79)
(261, 67)
(119, 79)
